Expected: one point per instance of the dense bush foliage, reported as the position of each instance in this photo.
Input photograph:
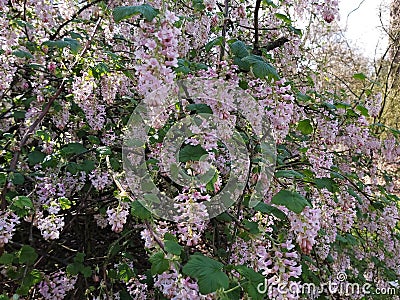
(72, 221)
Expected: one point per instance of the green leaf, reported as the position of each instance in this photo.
(139, 211)
(17, 178)
(243, 84)
(19, 114)
(80, 257)
(253, 59)
(6, 259)
(22, 202)
(253, 280)
(261, 69)
(215, 42)
(73, 44)
(270, 210)
(74, 268)
(252, 227)
(200, 66)
(303, 97)
(242, 64)
(22, 54)
(29, 281)
(94, 139)
(104, 150)
(327, 183)
(75, 35)
(152, 198)
(329, 105)
(224, 217)
(270, 3)
(124, 12)
(208, 273)
(288, 174)
(210, 184)
(305, 127)
(65, 203)
(158, 263)
(351, 113)
(292, 200)
(351, 239)
(295, 30)
(170, 237)
(21, 205)
(200, 108)
(99, 70)
(27, 255)
(284, 18)
(363, 110)
(3, 178)
(342, 105)
(198, 5)
(86, 272)
(173, 247)
(182, 69)
(360, 76)
(190, 152)
(239, 49)
(183, 66)
(87, 166)
(36, 157)
(73, 148)
(125, 272)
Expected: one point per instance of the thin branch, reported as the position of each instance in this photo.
(256, 46)
(348, 15)
(276, 44)
(222, 49)
(54, 35)
(43, 113)
(264, 28)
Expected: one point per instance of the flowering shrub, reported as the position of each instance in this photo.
(73, 223)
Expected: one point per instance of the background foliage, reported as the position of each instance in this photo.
(72, 73)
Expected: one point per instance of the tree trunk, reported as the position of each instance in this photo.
(390, 112)
(395, 33)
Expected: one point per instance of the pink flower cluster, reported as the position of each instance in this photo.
(278, 265)
(47, 189)
(193, 215)
(8, 221)
(56, 286)
(100, 180)
(321, 162)
(279, 105)
(156, 52)
(117, 216)
(175, 286)
(49, 226)
(305, 226)
(83, 89)
(137, 289)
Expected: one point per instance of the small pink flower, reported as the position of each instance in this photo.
(51, 67)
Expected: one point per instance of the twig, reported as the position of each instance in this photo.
(54, 35)
(256, 46)
(276, 44)
(40, 118)
(222, 49)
